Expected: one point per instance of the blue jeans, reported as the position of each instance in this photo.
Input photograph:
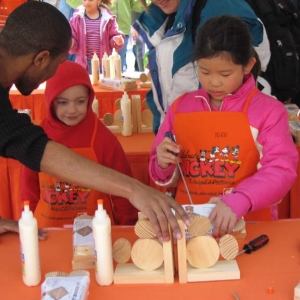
(122, 53)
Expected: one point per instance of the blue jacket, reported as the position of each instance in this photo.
(171, 52)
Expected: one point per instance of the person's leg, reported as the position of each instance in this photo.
(122, 53)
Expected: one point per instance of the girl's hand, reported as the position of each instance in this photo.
(118, 40)
(164, 155)
(223, 217)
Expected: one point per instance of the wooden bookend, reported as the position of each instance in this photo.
(204, 245)
(158, 269)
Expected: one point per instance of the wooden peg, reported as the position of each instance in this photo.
(147, 254)
(121, 250)
(144, 229)
(200, 225)
(229, 246)
(202, 252)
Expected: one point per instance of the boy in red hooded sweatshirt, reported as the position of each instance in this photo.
(71, 121)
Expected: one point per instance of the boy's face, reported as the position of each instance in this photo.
(71, 105)
(167, 6)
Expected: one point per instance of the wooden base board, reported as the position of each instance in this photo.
(222, 270)
(131, 274)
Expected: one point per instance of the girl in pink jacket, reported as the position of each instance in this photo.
(94, 29)
(233, 141)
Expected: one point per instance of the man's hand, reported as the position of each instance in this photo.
(12, 226)
(157, 207)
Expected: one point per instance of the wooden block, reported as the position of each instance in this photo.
(147, 254)
(83, 265)
(134, 100)
(131, 274)
(108, 119)
(137, 102)
(121, 250)
(222, 270)
(145, 103)
(200, 225)
(144, 229)
(229, 246)
(169, 259)
(147, 84)
(181, 253)
(202, 252)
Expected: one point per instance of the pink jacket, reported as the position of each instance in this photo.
(108, 29)
(268, 120)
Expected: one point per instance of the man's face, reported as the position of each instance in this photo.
(34, 76)
(167, 6)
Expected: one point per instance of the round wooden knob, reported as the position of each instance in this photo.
(121, 250)
(200, 225)
(239, 225)
(117, 118)
(147, 254)
(108, 119)
(144, 229)
(143, 77)
(229, 246)
(145, 103)
(147, 117)
(202, 252)
(118, 103)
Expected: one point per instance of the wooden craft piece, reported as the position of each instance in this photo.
(144, 229)
(108, 119)
(239, 225)
(229, 246)
(200, 225)
(117, 118)
(202, 252)
(118, 103)
(147, 117)
(147, 254)
(143, 77)
(121, 250)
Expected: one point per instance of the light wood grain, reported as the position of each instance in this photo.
(117, 118)
(200, 225)
(147, 117)
(202, 252)
(144, 229)
(147, 254)
(121, 250)
(229, 246)
(239, 225)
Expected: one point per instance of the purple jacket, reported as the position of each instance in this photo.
(108, 29)
(268, 120)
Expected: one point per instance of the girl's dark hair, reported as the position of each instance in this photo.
(36, 26)
(229, 37)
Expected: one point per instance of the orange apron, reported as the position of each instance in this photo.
(218, 152)
(61, 201)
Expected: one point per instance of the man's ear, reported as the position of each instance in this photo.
(42, 59)
(250, 65)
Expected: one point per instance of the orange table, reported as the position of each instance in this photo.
(277, 265)
(36, 101)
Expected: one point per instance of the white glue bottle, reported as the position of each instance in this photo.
(105, 66)
(112, 58)
(125, 104)
(103, 246)
(95, 69)
(29, 245)
(118, 66)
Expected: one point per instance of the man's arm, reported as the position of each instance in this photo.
(60, 162)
